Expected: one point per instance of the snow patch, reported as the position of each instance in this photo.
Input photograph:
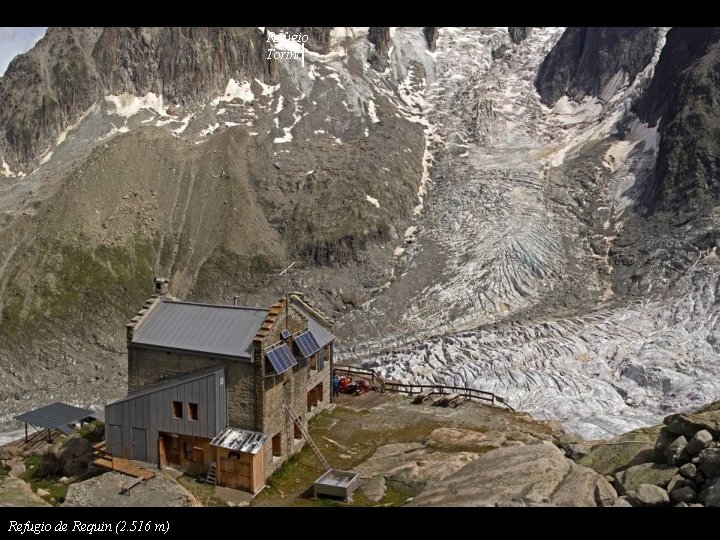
(129, 105)
(372, 200)
(267, 90)
(234, 90)
(372, 112)
(47, 157)
(5, 170)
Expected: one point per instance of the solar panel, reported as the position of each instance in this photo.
(281, 358)
(307, 343)
(285, 334)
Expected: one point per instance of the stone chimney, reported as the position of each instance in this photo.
(161, 285)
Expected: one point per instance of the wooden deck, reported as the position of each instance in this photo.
(105, 460)
(37, 441)
(364, 401)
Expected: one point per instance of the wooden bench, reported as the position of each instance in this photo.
(422, 397)
(454, 400)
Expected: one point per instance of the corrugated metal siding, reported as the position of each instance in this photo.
(210, 329)
(151, 409)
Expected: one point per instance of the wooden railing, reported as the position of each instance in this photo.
(388, 385)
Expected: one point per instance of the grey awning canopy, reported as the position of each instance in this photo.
(55, 416)
(240, 440)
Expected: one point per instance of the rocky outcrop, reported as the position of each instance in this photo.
(518, 33)
(380, 37)
(683, 468)
(431, 35)
(590, 61)
(413, 465)
(524, 475)
(682, 97)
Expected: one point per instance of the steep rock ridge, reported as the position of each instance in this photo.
(431, 35)
(51, 86)
(380, 37)
(589, 61)
(518, 33)
(681, 99)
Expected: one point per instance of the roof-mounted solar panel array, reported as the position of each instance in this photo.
(281, 357)
(307, 343)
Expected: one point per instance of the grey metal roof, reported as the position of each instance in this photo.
(57, 415)
(206, 328)
(240, 440)
(175, 381)
(322, 334)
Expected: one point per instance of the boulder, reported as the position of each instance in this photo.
(689, 470)
(622, 502)
(374, 488)
(651, 495)
(683, 495)
(709, 462)
(9, 452)
(42, 493)
(629, 449)
(688, 424)
(15, 492)
(575, 451)
(528, 475)
(712, 495)
(648, 473)
(605, 494)
(17, 468)
(662, 442)
(674, 450)
(699, 442)
(676, 483)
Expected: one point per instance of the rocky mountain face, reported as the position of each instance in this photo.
(586, 62)
(680, 99)
(525, 211)
(52, 85)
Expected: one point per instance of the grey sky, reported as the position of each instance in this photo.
(15, 40)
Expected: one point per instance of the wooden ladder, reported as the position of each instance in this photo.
(210, 478)
(307, 436)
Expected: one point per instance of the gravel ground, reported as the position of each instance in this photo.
(104, 490)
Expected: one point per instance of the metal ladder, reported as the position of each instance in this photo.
(210, 478)
(296, 420)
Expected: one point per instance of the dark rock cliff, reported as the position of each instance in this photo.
(585, 59)
(518, 33)
(380, 37)
(683, 97)
(431, 35)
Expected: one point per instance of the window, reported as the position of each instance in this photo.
(296, 431)
(277, 445)
(193, 411)
(177, 409)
